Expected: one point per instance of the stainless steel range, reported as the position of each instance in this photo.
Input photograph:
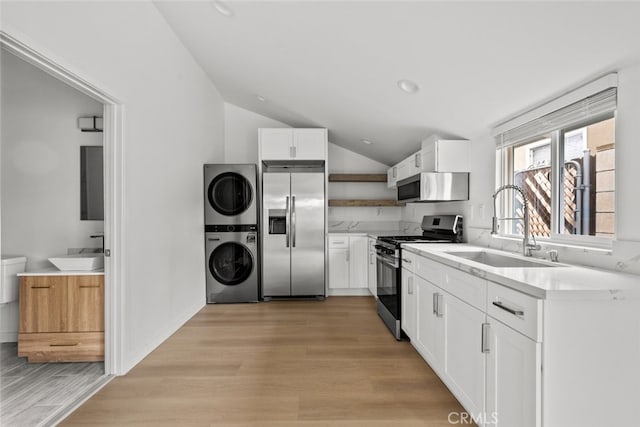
(435, 229)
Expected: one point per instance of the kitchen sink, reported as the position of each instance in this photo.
(501, 261)
(78, 262)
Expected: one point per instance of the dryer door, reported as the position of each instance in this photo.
(231, 263)
(230, 194)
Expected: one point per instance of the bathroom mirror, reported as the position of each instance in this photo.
(91, 183)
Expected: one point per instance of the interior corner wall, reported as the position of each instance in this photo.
(173, 124)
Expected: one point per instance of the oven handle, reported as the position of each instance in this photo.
(385, 261)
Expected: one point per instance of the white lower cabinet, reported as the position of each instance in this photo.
(464, 363)
(488, 343)
(493, 370)
(348, 264)
(429, 339)
(408, 303)
(372, 267)
(513, 377)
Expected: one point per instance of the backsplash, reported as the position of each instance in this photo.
(624, 255)
(335, 226)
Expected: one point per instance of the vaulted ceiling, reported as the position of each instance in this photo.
(336, 64)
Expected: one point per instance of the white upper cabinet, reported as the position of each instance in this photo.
(444, 155)
(293, 144)
(440, 155)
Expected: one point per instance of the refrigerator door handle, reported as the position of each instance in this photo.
(293, 221)
(287, 221)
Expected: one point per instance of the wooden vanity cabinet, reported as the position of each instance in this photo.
(61, 318)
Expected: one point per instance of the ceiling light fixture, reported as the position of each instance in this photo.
(261, 98)
(408, 86)
(366, 141)
(222, 8)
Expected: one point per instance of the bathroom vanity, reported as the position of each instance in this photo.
(61, 316)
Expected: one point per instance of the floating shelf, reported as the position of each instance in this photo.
(358, 177)
(363, 203)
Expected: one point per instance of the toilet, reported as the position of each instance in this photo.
(11, 265)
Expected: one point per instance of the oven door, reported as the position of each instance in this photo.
(388, 284)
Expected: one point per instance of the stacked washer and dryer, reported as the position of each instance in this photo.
(231, 233)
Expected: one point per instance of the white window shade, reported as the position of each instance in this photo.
(583, 111)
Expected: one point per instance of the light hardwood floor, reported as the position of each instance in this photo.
(290, 363)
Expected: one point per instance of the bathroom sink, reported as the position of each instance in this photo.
(500, 261)
(78, 262)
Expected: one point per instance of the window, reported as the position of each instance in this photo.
(564, 162)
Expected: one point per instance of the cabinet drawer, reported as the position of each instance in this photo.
(470, 289)
(62, 347)
(517, 310)
(430, 271)
(340, 241)
(409, 261)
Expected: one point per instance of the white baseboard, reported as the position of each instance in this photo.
(358, 292)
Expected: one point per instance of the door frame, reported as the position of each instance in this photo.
(113, 136)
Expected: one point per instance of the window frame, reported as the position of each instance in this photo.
(505, 173)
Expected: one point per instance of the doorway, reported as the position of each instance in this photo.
(112, 143)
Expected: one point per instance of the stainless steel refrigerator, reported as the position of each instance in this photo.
(293, 247)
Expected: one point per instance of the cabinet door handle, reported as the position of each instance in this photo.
(338, 243)
(395, 171)
(417, 160)
(484, 345)
(89, 286)
(371, 258)
(408, 261)
(40, 287)
(292, 151)
(410, 285)
(439, 305)
(435, 304)
(348, 255)
(513, 311)
(64, 344)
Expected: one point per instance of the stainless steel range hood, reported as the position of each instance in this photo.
(434, 187)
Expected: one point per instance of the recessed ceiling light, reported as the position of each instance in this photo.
(408, 86)
(366, 141)
(261, 98)
(222, 8)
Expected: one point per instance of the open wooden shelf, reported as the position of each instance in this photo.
(358, 177)
(363, 203)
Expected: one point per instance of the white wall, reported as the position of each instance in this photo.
(625, 255)
(174, 122)
(241, 133)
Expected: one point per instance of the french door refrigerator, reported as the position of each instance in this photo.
(293, 260)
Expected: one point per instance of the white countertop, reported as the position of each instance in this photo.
(561, 282)
(55, 272)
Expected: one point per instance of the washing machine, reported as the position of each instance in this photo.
(232, 263)
(230, 194)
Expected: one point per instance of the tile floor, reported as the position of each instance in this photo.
(32, 394)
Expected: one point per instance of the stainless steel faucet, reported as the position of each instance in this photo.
(99, 236)
(527, 246)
